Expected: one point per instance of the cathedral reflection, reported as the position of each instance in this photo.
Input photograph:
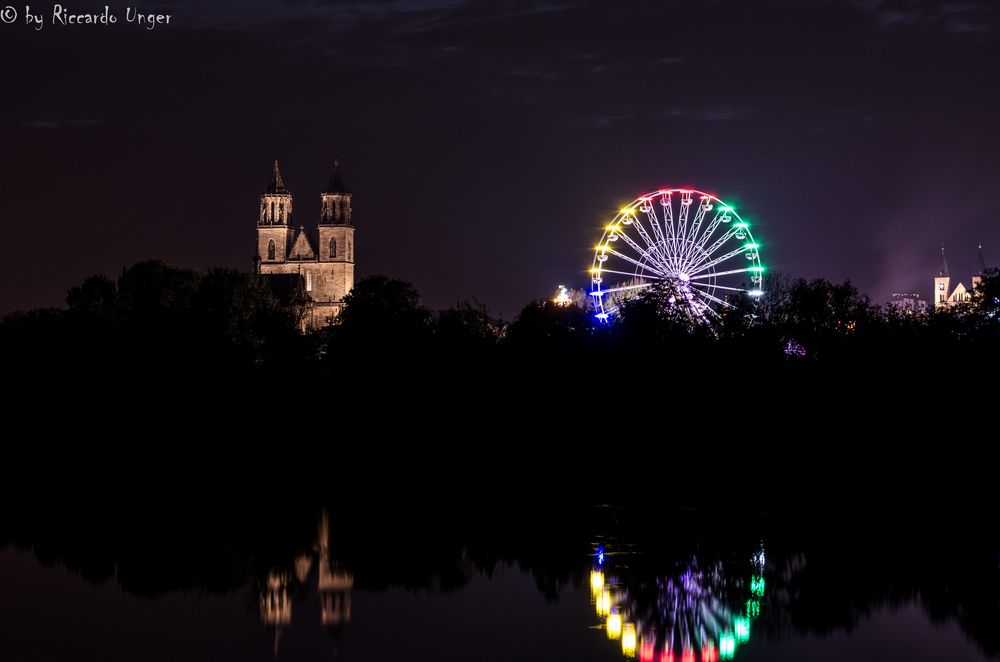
(698, 611)
(332, 583)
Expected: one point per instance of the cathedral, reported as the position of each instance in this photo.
(316, 265)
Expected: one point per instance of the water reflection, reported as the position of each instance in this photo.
(332, 582)
(699, 610)
(663, 594)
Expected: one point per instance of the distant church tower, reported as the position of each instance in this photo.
(944, 297)
(314, 266)
(981, 263)
(941, 282)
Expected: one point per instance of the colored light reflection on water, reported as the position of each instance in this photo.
(603, 603)
(727, 646)
(742, 627)
(628, 640)
(596, 581)
(614, 626)
(705, 612)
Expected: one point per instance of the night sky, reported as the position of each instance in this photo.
(487, 142)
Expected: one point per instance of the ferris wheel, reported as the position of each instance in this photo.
(691, 241)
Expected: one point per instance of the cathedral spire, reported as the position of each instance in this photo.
(337, 183)
(277, 186)
(944, 263)
(982, 262)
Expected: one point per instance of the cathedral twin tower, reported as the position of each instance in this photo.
(316, 266)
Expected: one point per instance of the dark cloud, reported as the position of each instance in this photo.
(60, 123)
(973, 16)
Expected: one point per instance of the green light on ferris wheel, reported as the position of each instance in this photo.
(757, 586)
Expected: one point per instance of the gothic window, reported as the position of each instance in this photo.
(941, 286)
(281, 212)
(333, 247)
(272, 211)
(309, 282)
(270, 250)
(350, 252)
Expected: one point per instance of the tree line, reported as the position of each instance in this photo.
(183, 334)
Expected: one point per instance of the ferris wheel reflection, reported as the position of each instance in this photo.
(697, 612)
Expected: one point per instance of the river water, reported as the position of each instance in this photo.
(610, 596)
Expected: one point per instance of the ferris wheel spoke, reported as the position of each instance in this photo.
(623, 288)
(703, 207)
(689, 258)
(635, 262)
(631, 274)
(643, 252)
(719, 260)
(719, 243)
(721, 287)
(683, 216)
(721, 217)
(654, 222)
(713, 313)
(698, 308)
(668, 217)
(631, 242)
(672, 227)
(653, 246)
(714, 299)
(700, 265)
(723, 273)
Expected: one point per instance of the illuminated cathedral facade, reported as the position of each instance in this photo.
(314, 266)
